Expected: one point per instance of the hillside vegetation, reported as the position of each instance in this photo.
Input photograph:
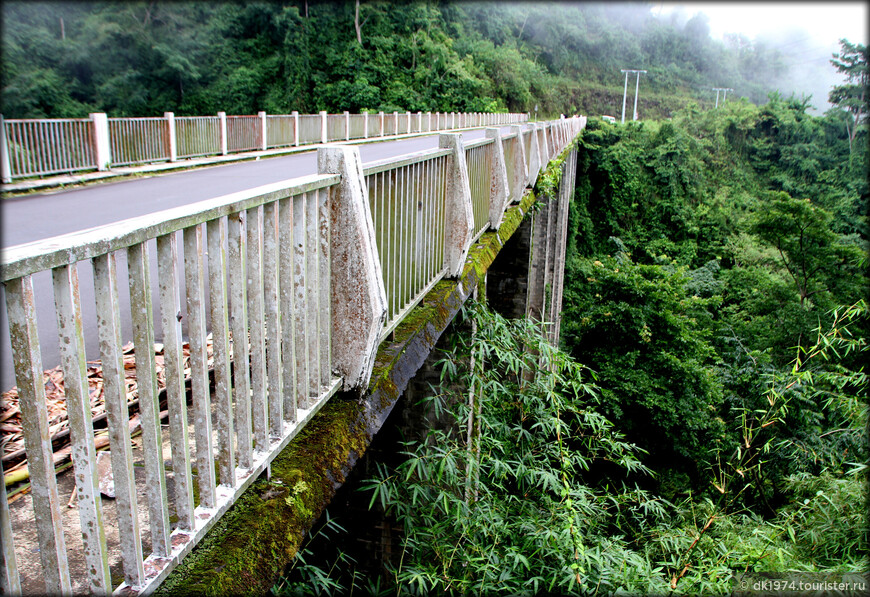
(705, 421)
(65, 59)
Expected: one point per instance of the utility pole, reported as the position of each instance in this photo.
(724, 95)
(625, 90)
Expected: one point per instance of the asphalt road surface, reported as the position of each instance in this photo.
(44, 215)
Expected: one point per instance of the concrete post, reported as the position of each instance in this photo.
(346, 125)
(365, 125)
(419, 122)
(324, 136)
(264, 142)
(429, 114)
(499, 189)
(381, 116)
(521, 168)
(223, 119)
(5, 164)
(295, 116)
(103, 149)
(409, 122)
(453, 120)
(535, 155)
(395, 123)
(359, 301)
(172, 139)
(459, 217)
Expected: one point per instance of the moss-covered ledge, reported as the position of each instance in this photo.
(249, 547)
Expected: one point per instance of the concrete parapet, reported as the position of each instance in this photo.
(499, 188)
(359, 301)
(459, 225)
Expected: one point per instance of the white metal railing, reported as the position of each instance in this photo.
(281, 131)
(49, 146)
(138, 140)
(309, 129)
(256, 274)
(42, 147)
(336, 127)
(480, 160)
(244, 133)
(407, 203)
(198, 135)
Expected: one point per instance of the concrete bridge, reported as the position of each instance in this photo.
(309, 306)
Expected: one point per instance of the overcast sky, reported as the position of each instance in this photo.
(805, 32)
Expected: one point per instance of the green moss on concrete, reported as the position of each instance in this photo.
(250, 545)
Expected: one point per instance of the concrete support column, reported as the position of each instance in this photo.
(453, 120)
(295, 115)
(460, 217)
(359, 301)
(409, 122)
(395, 123)
(5, 164)
(429, 114)
(264, 142)
(499, 189)
(171, 138)
(346, 125)
(324, 131)
(419, 122)
(566, 194)
(365, 125)
(102, 147)
(223, 120)
(381, 116)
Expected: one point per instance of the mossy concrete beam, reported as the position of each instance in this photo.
(250, 546)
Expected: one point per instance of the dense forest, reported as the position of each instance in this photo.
(65, 59)
(704, 422)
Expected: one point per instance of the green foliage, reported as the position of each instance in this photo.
(144, 58)
(645, 335)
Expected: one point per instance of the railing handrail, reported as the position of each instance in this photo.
(30, 258)
(478, 143)
(405, 160)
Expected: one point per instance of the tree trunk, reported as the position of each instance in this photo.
(357, 25)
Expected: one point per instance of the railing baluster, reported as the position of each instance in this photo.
(115, 398)
(239, 318)
(10, 582)
(313, 280)
(194, 281)
(300, 281)
(325, 315)
(272, 310)
(176, 396)
(216, 234)
(21, 311)
(138, 264)
(78, 408)
(286, 253)
(259, 416)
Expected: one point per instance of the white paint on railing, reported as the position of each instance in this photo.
(5, 168)
(102, 148)
(223, 131)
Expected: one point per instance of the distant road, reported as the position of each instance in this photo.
(39, 216)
